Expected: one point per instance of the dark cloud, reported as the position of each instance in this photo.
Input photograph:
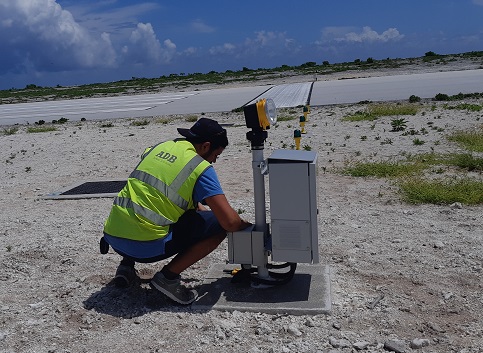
(40, 35)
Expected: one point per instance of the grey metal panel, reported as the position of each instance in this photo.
(240, 247)
(293, 206)
(289, 191)
(292, 242)
(258, 249)
(313, 170)
(292, 156)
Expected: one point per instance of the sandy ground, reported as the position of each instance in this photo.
(402, 275)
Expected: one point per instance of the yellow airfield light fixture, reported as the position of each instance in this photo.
(260, 115)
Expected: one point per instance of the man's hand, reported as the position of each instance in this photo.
(225, 214)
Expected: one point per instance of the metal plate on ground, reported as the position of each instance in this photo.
(308, 293)
(89, 189)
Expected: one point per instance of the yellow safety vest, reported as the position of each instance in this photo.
(157, 192)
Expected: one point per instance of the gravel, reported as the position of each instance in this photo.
(404, 277)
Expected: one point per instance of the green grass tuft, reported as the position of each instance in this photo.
(10, 131)
(140, 123)
(375, 111)
(41, 129)
(470, 140)
(442, 192)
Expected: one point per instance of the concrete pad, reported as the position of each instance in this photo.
(308, 293)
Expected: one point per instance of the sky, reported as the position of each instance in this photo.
(72, 42)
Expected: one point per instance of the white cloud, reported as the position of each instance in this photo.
(102, 17)
(262, 47)
(268, 39)
(201, 27)
(190, 51)
(41, 35)
(478, 2)
(145, 47)
(226, 48)
(349, 35)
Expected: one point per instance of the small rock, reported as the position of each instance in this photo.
(447, 295)
(360, 345)
(336, 325)
(436, 327)
(36, 305)
(419, 343)
(220, 334)
(309, 322)
(294, 331)
(395, 346)
(334, 342)
(438, 244)
(263, 329)
(456, 205)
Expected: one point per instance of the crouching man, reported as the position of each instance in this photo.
(159, 213)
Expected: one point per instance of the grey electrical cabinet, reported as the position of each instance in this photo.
(293, 206)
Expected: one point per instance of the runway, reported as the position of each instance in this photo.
(316, 93)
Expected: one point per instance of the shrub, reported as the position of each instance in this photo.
(414, 99)
(398, 125)
(140, 123)
(191, 118)
(441, 97)
(10, 131)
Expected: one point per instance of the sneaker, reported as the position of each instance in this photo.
(125, 276)
(173, 289)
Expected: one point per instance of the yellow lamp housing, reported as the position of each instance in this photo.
(261, 115)
(266, 113)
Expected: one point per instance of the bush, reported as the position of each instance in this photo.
(10, 131)
(414, 99)
(309, 64)
(441, 97)
(398, 125)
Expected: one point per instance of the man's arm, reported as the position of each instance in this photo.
(225, 214)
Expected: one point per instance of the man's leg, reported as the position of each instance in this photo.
(193, 254)
(194, 236)
(125, 273)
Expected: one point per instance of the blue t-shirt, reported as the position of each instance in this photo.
(207, 185)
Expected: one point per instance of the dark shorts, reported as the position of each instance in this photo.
(192, 227)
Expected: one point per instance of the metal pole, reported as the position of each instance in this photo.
(260, 210)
